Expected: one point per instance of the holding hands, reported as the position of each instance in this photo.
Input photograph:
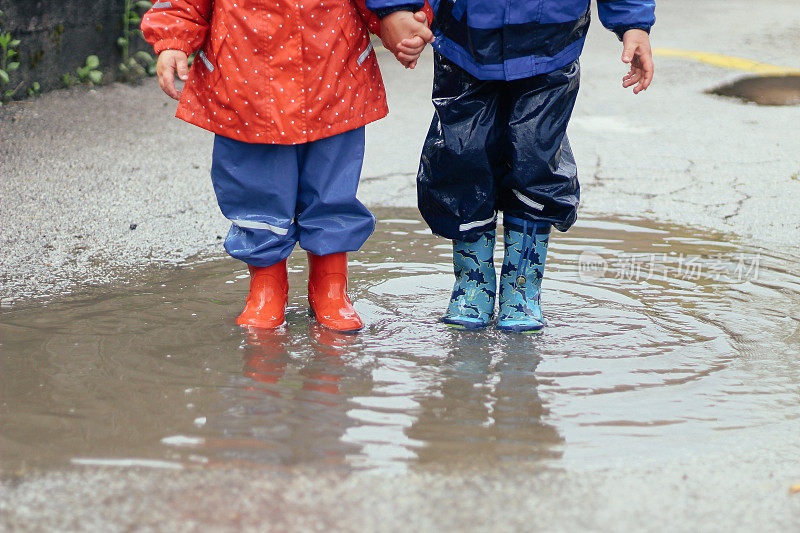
(405, 34)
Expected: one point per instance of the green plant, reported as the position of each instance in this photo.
(141, 63)
(35, 89)
(89, 73)
(68, 80)
(8, 53)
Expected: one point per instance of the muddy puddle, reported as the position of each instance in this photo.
(763, 90)
(661, 341)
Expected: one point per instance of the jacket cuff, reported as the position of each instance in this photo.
(383, 12)
(620, 31)
(172, 44)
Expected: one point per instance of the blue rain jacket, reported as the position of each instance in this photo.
(513, 39)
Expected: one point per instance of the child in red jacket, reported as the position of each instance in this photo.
(287, 87)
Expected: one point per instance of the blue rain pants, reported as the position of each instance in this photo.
(279, 195)
(497, 145)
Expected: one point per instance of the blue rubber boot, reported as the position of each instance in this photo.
(521, 275)
(472, 302)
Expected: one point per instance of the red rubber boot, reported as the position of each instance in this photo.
(266, 304)
(327, 293)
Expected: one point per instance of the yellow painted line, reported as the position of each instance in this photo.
(720, 60)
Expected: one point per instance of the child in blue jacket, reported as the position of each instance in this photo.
(506, 76)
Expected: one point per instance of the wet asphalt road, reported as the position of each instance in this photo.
(80, 169)
(687, 496)
(99, 185)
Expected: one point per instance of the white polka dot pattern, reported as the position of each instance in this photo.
(275, 71)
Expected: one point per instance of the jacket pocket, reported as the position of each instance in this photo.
(357, 37)
(210, 54)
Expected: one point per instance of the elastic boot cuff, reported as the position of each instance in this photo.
(533, 226)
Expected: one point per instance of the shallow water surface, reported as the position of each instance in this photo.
(780, 90)
(661, 341)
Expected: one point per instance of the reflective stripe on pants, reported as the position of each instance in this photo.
(279, 195)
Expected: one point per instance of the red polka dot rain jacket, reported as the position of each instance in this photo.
(273, 71)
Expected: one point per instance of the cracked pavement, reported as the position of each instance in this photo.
(81, 168)
(98, 187)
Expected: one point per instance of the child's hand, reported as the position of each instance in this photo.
(636, 51)
(409, 50)
(170, 61)
(405, 34)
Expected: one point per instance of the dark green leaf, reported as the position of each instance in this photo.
(144, 57)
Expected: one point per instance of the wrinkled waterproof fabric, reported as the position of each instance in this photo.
(279, 72)
(508, 40)
(278, 196)
(498, 146)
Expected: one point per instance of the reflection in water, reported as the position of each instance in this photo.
(266, 361)
(479, 403)
(487, 398)
(657, 341)
(289, 405)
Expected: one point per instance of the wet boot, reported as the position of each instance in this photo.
(521, 276)
(266, 303)
(327, 293)
(472, 301)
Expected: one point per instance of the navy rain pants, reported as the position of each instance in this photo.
(498, 146)
(279, 195)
